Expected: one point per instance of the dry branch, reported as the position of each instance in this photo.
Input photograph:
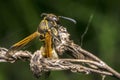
(83, 61)
(40, 65)
(23, 55)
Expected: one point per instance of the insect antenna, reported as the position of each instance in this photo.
(67, 18)
(43, 14)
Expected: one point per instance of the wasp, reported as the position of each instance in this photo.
(46, 31)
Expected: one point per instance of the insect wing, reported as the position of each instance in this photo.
(24, 42)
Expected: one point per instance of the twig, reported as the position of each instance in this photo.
(23, 55)
(65, 44)
(83, 61)
(39, 65)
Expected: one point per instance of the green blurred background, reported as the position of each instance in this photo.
(19, 18)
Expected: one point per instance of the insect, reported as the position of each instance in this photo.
(46, 31)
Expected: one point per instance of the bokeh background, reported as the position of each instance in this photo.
(19, 18)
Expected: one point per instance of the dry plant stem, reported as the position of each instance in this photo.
(66, 44)
(94, 58)
(79, 68)
(84, 61)
(40, 65)
(18, 55)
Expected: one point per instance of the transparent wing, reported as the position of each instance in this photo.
(24, 42)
